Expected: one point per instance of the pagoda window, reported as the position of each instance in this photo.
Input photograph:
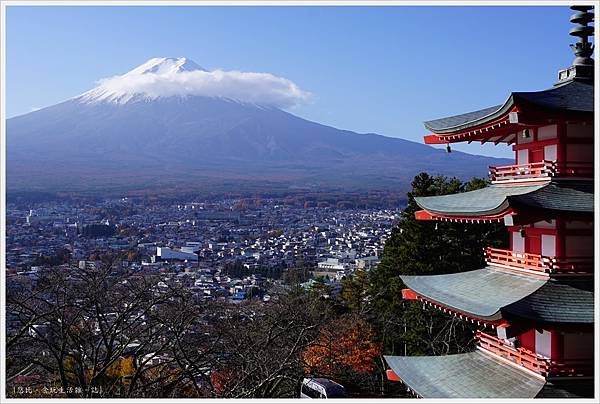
(548, 245)
(547, 132)
(518, 242)
(543, 343)
(522, 156)
(521, 139)
(550, 153)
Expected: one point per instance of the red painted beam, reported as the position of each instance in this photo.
(409, 294)
(433, 139)
(423, 215)
(445, 309)
(483, 133)
(391, 376)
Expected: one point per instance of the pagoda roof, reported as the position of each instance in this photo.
(555, 197)
(468, 375)
(490, 200)
(492, 294)
(479, 375)
(567, 389)
(481, 293)
(558, 197)
(558, 301)
(572, 96)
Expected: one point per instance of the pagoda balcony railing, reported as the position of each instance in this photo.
(540, 170)
(533, 361)
(539, 263)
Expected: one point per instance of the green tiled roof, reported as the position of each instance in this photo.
(469, 375)
(457, 121)
(557, 196)
(492, 294)
(558, 301)
(573, 96)
(485, 201)
(481, 293)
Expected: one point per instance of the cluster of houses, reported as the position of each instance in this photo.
(193, 243)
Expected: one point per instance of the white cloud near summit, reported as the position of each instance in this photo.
(258, 88)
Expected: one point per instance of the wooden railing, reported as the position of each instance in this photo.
(573, 169)
(535, 362)
(520, 171)
(520, 356)
(571, 368)
(571, 264)
(540, 170)
(540, 263)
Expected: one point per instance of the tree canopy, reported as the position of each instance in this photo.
(418, 247)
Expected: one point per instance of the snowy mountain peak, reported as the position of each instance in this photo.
(163, 66)
(182, 77)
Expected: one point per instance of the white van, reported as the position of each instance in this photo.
(321, 388)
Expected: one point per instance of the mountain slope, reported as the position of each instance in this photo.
(105, 139)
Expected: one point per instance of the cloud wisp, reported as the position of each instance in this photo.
(257, 88)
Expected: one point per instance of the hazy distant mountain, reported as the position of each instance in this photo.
(139, 130)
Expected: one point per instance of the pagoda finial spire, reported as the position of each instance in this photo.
(583, 49)
(583, 65)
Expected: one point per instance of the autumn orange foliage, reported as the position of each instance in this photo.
(347, 343)
(220, 379)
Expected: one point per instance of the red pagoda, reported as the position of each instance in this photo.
(533, 302)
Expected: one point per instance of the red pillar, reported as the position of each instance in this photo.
(560, 238)
(557, 345)
(561, 145)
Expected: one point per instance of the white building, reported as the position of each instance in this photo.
(185, 254)
(332, 264)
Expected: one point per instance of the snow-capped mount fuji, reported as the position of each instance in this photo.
(134, 84)
(166, 66)
(182, 77)
(170, 122)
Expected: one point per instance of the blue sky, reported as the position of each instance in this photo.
(369, 69)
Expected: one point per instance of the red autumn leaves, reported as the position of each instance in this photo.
(344, 344)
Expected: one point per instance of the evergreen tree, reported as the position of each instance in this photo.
(355, 290)
(427, 248)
